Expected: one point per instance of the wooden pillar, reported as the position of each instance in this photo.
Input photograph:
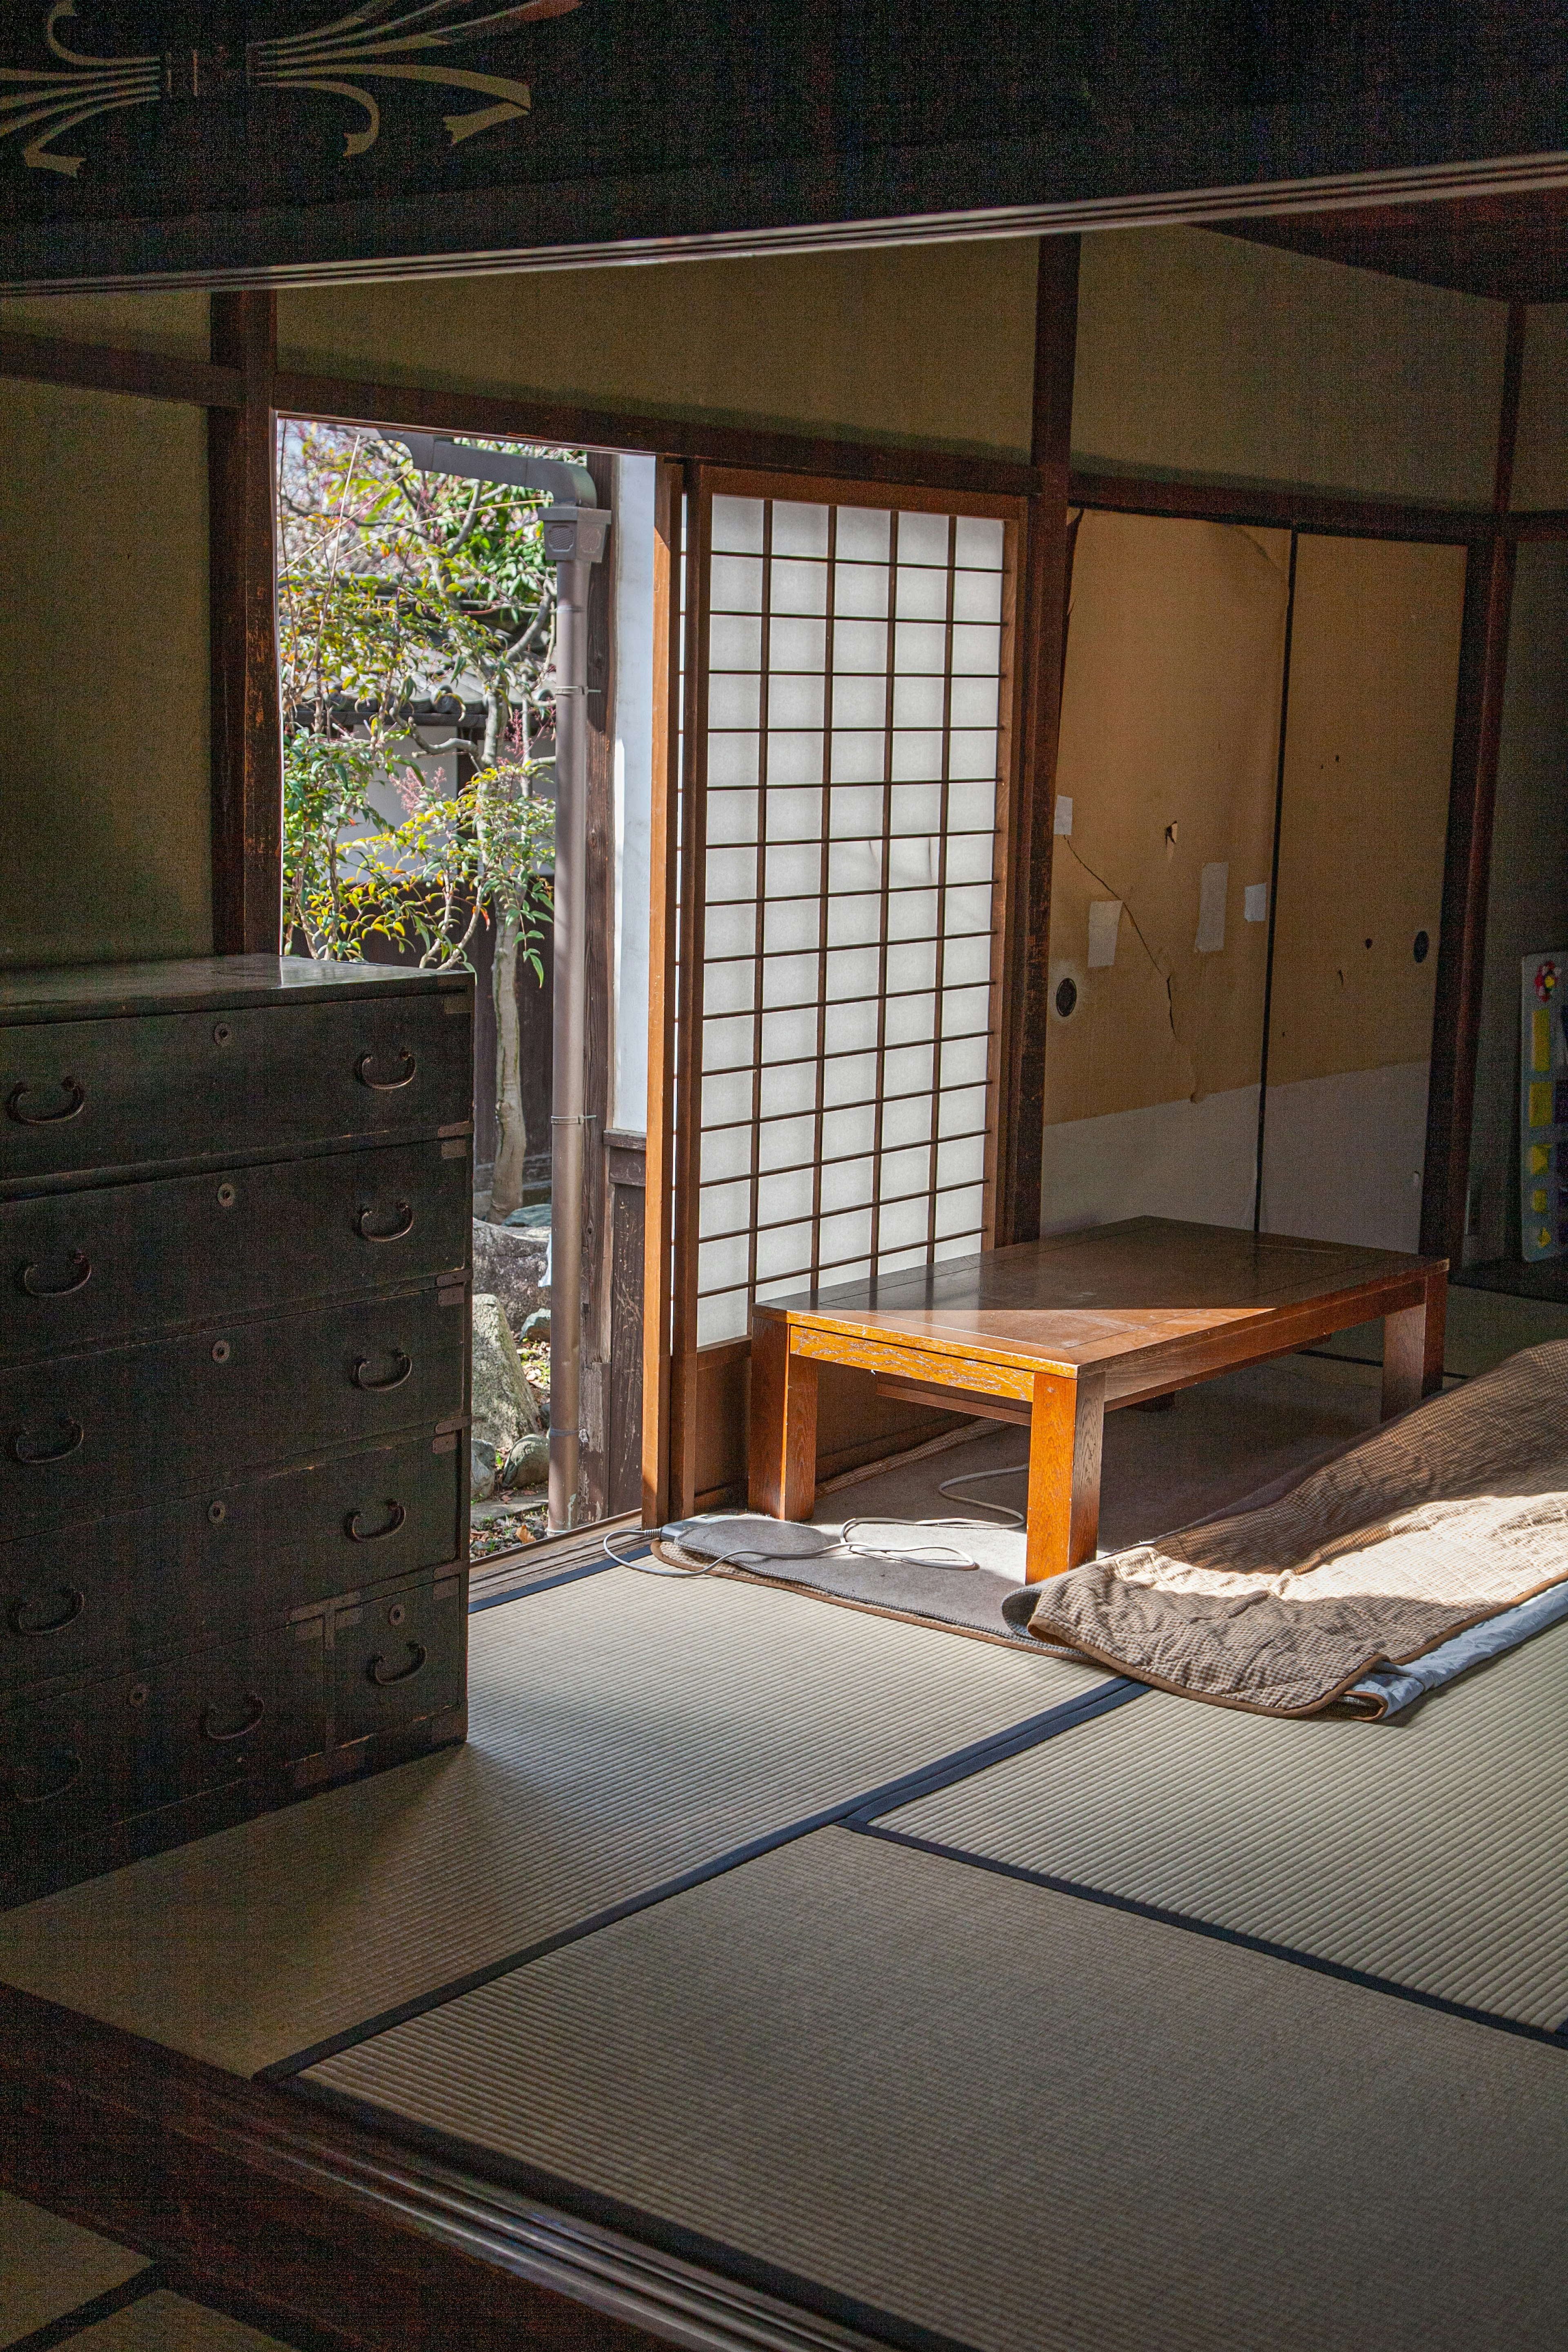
(1020, 1109)
(663, 835)
(247, 754)
(1466, 874)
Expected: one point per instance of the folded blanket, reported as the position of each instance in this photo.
(1452, 1514)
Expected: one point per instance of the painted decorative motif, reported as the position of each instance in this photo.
(1544, 1107)
(370, 44)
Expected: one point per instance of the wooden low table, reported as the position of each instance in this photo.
(1051, 1334)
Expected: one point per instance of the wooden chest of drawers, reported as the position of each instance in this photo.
(235, 1232)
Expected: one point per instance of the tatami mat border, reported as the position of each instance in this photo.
(924, 1781)
(526, 1590)
(87, 2315)
(1555, 2038)
(866, 2320)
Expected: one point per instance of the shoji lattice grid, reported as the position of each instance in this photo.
(856, 665)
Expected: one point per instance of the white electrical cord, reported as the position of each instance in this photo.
(972, 1477)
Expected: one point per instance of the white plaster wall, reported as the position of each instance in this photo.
(632, 538)
(1166, 1159)
(1342, 1157)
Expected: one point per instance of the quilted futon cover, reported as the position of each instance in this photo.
(1450, 1515)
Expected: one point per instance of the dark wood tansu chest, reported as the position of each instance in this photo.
(235, 1235)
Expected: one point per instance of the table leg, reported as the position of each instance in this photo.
(1065, 1433)
(1412, 1349)
(783, 1424)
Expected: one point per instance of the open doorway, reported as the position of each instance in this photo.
(419, 629)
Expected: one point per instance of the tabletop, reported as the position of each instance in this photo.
(1087, 1297)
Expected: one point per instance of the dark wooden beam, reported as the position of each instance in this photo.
(146, 376)
(1279, 506)
(1547, 523)
(250, 2193)
(246, 756)
(522, 417)
(1042, 638)
(1467, 871)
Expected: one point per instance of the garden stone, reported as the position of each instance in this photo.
(481, 1470)
(527, 1464)
(503, 1404)
(510, 1264)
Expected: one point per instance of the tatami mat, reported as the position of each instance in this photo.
(626, 1729)
(48, 2266)
(1012, 2117)
(162, 2322)
(1432, 1853)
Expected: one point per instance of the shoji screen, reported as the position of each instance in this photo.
(1375, 662)
(849, 720)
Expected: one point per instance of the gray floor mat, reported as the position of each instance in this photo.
(1431, 1851)
(1018, 2119)
(626, 1729)
(1219, 1443)
(48, 2266)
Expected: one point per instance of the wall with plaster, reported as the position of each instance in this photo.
(1208, 358)
(104, 764)
(926, 344)
(1541, 448)
(1527, 906)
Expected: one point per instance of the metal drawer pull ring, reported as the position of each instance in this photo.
(405, 1210)
(14, 1101)
(36, 1289)
(378, 1672)
(254, 1709)
(384, 1085)
(17, 1615)
(372, 1388)
(21, 1453)
(356, 1534)
(64, 1758)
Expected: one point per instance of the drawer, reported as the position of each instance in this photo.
(79, 1096)
(82, 1599)
(108, 1749)
(86, 1436)
(81, 1267)
(396, 1654)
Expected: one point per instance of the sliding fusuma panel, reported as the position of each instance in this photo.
(842, 830)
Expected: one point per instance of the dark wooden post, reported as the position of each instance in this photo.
(1466, 873)
(1020, 1109)
(246, 756)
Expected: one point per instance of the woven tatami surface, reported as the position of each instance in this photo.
(626, 1729)
(1433, 1853)
(162, 2322)
(1019, 2119)
(48, 2266)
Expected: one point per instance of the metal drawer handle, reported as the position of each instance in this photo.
(17, 1615)
(404, 1211)
(68, 1766)
(356, 1534)
(381, 1673)
(255, 1708)
(373, 1388)
(14, 1099)
(384, 1085)
(33, 1458)
(36, 1289)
